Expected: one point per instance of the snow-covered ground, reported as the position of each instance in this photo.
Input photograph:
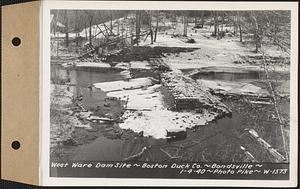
(140, 65)
(210, 51)
(157, 123)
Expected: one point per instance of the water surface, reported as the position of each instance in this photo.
(217, 141)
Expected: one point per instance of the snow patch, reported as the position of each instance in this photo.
(140, 99)
(123, 85)
(93, 65)
(156, 123)
(140, 65)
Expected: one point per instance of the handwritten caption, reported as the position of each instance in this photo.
(183, 168)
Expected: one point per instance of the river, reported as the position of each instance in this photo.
(218, 141)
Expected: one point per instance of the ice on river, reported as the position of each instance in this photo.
(140, 99)
(233, 88)
(122, 85)
(93, 65)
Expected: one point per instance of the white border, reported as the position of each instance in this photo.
(163, 5)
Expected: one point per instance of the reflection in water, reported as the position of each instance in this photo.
(81, 80)
(102, 149)
(236, 76)
(83, 76)
(251, 75)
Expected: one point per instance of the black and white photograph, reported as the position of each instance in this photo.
(169, 87)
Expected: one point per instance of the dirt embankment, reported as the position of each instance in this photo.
(142, 53)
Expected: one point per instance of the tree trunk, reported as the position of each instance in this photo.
(86, 35)
(238, 24)
(118, 27)
(67, 29)
(151, 35)
(185, 25)
(274, 97)
(174, 20)
(256, 34)
(222, 28)
(156, 27)
(215, 23)
(241, 33)
(234, 25)
(202, 18)
(111, 24)
(57, 48)
(257, 42)
(150, 27)
(90, 32)
(137, 25)
(76, 28)
(122, 30)
(54, 22)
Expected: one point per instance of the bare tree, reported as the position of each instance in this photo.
(111, 20)
(90, 18)
(256, 32)
(138, 16)
(185, 24)
(76, 27)
(202, 18)
(216, 23)
(239, 25)
(150, 26)
(66, 28)
(156, 27)
(174, 19)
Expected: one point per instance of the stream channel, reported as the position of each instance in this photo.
(217, 141)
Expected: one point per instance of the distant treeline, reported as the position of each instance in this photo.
(267, 25)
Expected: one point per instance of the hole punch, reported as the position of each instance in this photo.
(15, 145)
(16, 41)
